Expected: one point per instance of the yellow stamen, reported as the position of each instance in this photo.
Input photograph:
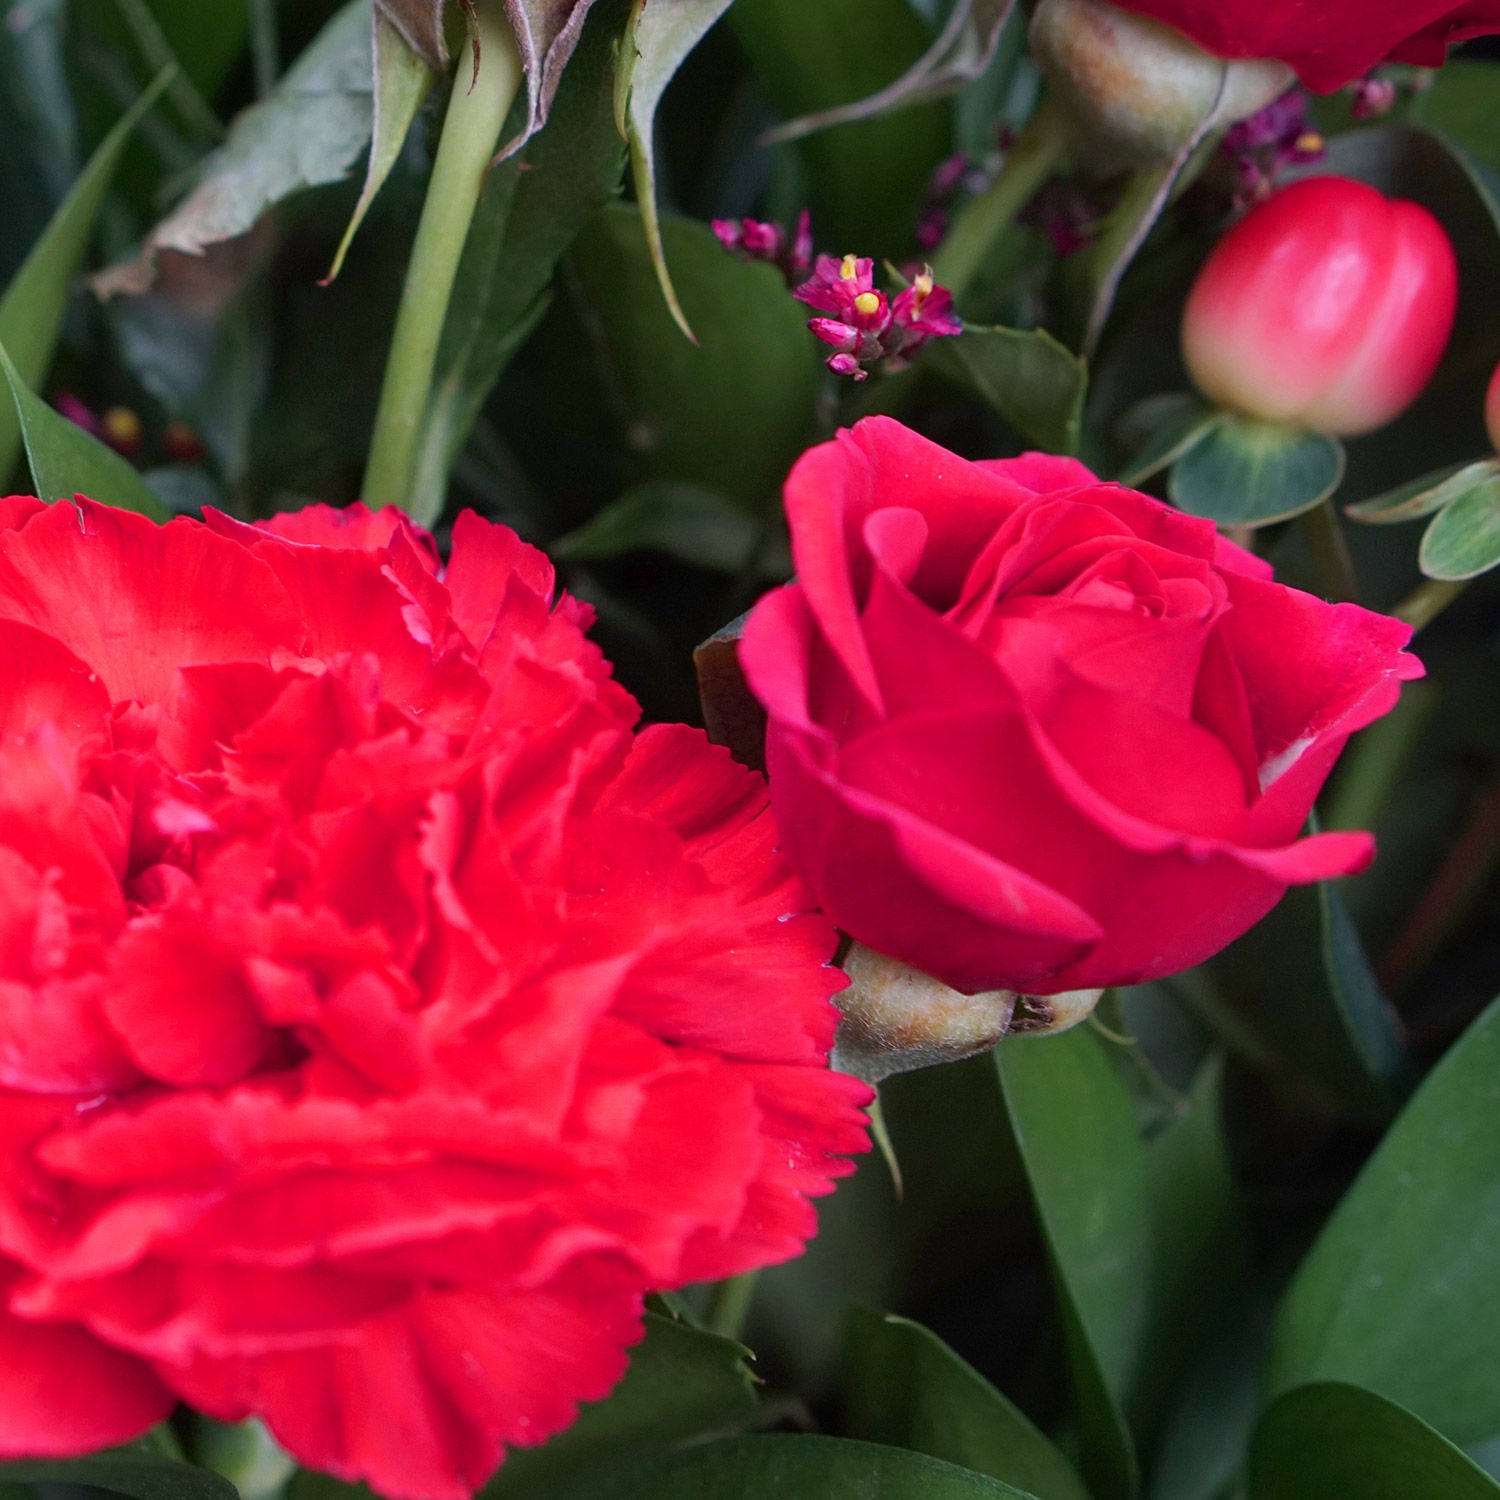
(1311, 142)
(922, 284)
(850, 268)
(867, 304)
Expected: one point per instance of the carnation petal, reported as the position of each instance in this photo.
(66, 1393)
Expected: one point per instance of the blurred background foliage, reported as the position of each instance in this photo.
(1196, 1139)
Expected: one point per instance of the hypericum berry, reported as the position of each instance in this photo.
(1327, 306)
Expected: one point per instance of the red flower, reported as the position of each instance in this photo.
(379, 1017)
(1033, 731)
(1331, 43)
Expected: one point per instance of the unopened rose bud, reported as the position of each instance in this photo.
(1327, 306)
(897, 1019)
(1138, 91)
(1492, 410)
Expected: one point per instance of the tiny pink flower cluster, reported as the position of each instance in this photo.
(1263, 146)
(863, 325)
(756, 239)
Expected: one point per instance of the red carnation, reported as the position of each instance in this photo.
(380, 1018)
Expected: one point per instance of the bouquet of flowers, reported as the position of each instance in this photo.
(750, 747)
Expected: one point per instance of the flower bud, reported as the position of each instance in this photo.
(1492, 410)
(897, 1019)
(1137, 90)
(1327, 306)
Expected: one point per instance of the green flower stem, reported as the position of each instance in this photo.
(471, 129)
(265, 46)
(1330, 550)
(1427, 601)
(982, 222)
(731, 1305)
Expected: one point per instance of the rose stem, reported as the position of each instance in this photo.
(983, 221)
(731, 1305)
(471, 128)
(265, 46)
(1330, 550)
(1428, 600)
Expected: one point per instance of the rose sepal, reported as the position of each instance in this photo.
(1241, 472)
(896, 1019)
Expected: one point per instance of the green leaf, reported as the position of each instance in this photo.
(1028, 377)
(682, 1384)
(1464, 538)
(788, 1468)
(66, 460)
(865, 181)
(205, 39)
(909, 1389)
(1331, 1441)
(1248, 473)
(140, 1469)
(307, 133)
(1161, 429)
(31, 311)
(1094, 275)
(532, 209)
(1322, 1028)
(1143, 1235)
(1421, 497)
(402, 80)
(657, 42)
(731, 414)
(1459, 101)
(1075, 1127)
(959, 54)
(685, 521)
(1398, 1292)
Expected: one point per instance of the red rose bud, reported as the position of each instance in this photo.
(1137, 91)
(1329, 43)
(382, 1017)
(1327, 306)
(897, 1019)
(1492, 409)
(1031, 731)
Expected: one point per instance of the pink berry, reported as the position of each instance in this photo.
(1327, 306)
